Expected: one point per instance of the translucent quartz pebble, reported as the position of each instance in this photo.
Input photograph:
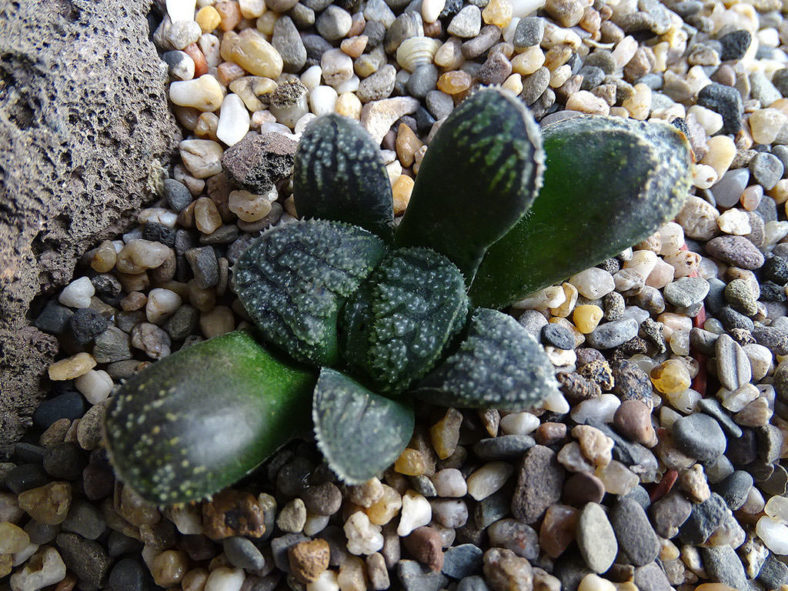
(774, 534)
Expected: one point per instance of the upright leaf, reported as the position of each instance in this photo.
(481, 173)
(200, 419)
(396, 327)
(359, 433)
(339, 175)
(499, 364)
(609, 183)
(294, 279)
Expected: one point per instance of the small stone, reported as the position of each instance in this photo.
(77, 294)
(703, 520)
(505, 571)
(723, 565)
(258, 162)
(42, 569)
(71, 367)
(488, 479)
(767, 169)
(723, 100)
(686, 291)
(292, 517)
(613, 334)
(669, 513)
(596, 538)
(364, 537)
(225, 579)
(540, 480)
(203, 93)
(309, 559)
(416, 511)
(671, 377)
(733, 366)
(700, 437)
(233, 513)
(85, 558)
(414, 577)
(424, 544)
(467, 23)
(734, 44)
(735, 250)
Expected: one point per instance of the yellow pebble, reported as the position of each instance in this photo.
(71, 367)
(104, 257)
(445, 434)
(514, 83)
(384, 510)
(714, 587)
(402, 189)
(411, 462)
(671, 377)
(592, 582)
(454, 82)
(570, 291)
(498, 13)
(587, 317)
(13, 538)
(208, 18)
(348, 105)
(528, 62)
(721, 152)
(779, 192)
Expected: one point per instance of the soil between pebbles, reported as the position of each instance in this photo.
(664, 465)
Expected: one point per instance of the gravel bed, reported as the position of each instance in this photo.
(661, 466)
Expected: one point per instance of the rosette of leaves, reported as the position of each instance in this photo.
(356, 319)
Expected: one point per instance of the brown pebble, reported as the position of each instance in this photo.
(558, 529)
(633, 421)
(550, 433)
(582, 488)
(233, 513)
(425, 545)
(309, 559)
(540, 481)
(47, 504)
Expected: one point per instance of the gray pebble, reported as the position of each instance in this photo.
(686, 291)
(423, 79)
(84, 519)
(423, 485)
(596, 538)
(462, 561)
(534, 322)
(713, 408)
(64, 461)
(614, 306)
(613, 334)
(732, 319)
(722, 564)
(405, 26)
(669, 513)
(767, 169)
(515, 536)
(773, 338)
(54, 318)
(557, 336)
(204, 265)
(492, 508)
(439, 104)
(699, 436)
(474, 583)
(378, 86)
(41, 533)
(652, 577)
(762, 89)
(182, 323)
(287, 41)
(334, 23)
(534, 85)
(703, 520)
(602, 59)
(242, 553)
(415, 577)
(726, 101)
(85, 558)
(733, 365)
(503, 447)
(633, 530)
(773, 573)
(735, 250)
(728, 189)
(487, 37)
(734, 489)
(112, 345)
(467, 23)
(181, 66)
(128, 574)
(718, 470)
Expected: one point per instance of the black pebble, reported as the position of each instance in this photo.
(128, 575)
(86, 324)
(771, 292)
(734, 44)
(731, 319)
(24, 477)
(65, 461)
(177, 195)
(107, 287)
(159, 233)
(726, 101)
(558, 336)
(53, 318)
(68, 405)
(775, 268)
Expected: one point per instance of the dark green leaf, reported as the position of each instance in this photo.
(359, 433)
(294, 279)
(499, 364)
(340, 176)
(481, 173)
(609, 183)
(397, 326)
(202, 418)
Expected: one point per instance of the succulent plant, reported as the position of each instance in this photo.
(359, 318)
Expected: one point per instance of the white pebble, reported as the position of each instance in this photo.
(203, 93)
(349, 85)
(488, 479)
(549, 297)
(181, 10)
(519, 423)
(555, 402)
(737, 399)
(95, 385)
(301, 124)
(202, 158)
(735, 221)
(362, 536)
(47, 569)
(684, 401)
(774, 231)
(431, 9)
(450, 483)
(77, 294)
(600, 409)
(416, 511)
(322, 100)
(234, 120)
(337, 67)
(642, 262)
(624, 51)
(158, 215)
(710, 121)
(777, 508)
(225, 579)
(593, 283)
(703, 176)
(161, 304)
(449, 512)
(311, 77)
(521, 8)
(326, 581)
(774, 534)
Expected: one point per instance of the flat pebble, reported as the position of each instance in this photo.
(700, 437)
(596, 538)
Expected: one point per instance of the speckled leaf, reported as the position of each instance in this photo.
(397, 326)
(359, 433)
(202, 418)
(294, 279)
(481, 173)
(609, 183)
(339, 175)
(499, 364)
